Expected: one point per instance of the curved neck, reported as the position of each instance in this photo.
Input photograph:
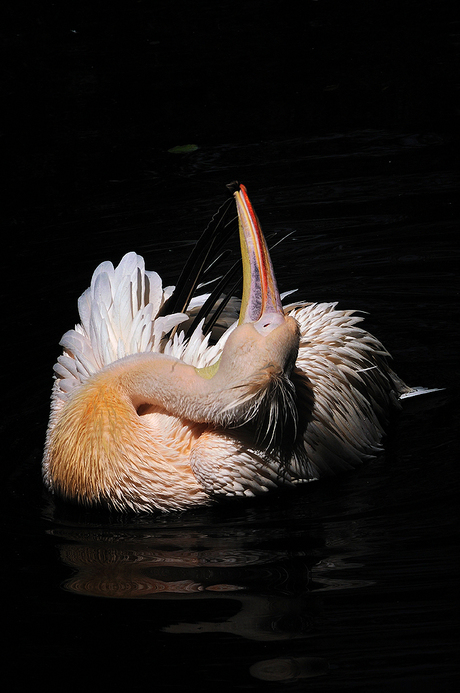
(157, 379)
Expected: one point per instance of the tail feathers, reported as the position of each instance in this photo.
(412, 403)
(416, 391)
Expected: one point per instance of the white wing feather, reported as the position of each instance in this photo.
(118, 317)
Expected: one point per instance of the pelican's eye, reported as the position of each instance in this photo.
(269, 322)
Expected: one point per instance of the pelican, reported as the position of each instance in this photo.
(145, 418)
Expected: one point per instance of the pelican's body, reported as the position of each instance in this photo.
(143, 421)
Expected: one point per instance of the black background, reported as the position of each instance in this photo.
(94, 97)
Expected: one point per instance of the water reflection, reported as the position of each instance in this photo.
(266, 587)
(289, 668)
(255, 571)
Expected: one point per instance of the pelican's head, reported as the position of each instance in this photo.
(263, 349)
(266, 335)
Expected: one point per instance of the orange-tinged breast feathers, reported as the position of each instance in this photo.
(101, 450)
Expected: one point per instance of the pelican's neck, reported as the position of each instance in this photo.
(178, 388)
(247, 361)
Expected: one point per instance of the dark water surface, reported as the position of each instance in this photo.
(351, 584)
